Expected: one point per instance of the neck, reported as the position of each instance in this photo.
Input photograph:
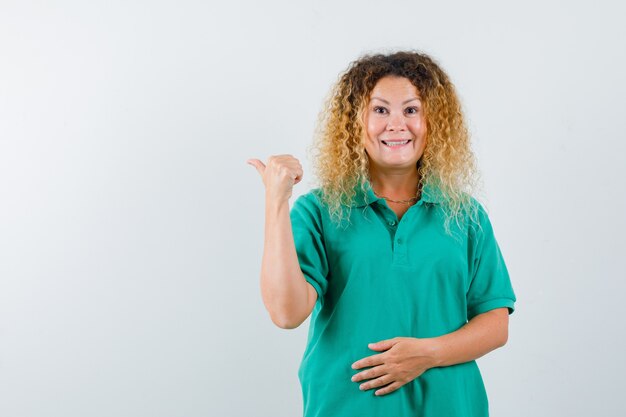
(396, 186)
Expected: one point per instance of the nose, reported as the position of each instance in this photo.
(396, 122)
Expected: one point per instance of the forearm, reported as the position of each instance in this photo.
(283, 287)
(481, 335)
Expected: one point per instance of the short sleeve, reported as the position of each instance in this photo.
(306, 223)
(490, 285)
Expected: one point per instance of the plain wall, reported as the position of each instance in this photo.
(131, 228)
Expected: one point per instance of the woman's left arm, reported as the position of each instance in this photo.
(405, 358)
(482, 334)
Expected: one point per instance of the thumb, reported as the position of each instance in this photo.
(260, 166)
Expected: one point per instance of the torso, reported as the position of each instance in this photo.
(386, 280)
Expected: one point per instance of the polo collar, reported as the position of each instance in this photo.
(430, 194)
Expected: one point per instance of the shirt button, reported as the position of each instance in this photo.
(392, 223)
(399, 241)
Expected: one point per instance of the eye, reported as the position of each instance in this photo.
(376, 108)
(414, 110)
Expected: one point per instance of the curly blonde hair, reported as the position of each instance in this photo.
(447, 164)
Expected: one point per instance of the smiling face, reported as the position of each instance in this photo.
(394, 115)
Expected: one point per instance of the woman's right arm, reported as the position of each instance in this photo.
(287, 296)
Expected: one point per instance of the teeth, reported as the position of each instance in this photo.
(404, 142)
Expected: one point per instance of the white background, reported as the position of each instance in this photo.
(131, 228)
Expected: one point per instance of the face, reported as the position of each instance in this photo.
(394, 115)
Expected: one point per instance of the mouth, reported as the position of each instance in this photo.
(396, 143)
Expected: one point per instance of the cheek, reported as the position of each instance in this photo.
(371, 129)
(419, 126)
(374, 127)
(369, 133)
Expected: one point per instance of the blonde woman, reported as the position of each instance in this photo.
(392, 255)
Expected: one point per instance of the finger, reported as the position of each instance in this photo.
(389, 388)
(384, 344)
(369, 361)
(299, 175)
(376, 383)
(377, 380)
(260, 166)
(369, 374)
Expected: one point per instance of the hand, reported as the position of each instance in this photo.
(279, 176)
(404, 359)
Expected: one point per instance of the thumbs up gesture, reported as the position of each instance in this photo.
(279, 175)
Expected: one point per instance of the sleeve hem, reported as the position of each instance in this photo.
(490, 305)
(316, 286)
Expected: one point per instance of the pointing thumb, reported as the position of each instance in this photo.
(260, 166)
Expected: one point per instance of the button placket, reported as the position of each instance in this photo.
(400, 249)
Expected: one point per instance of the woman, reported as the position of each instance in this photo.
(392, 255)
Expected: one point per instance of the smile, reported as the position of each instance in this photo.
(395, 143)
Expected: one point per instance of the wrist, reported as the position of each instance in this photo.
(276, 204)
(436, 352)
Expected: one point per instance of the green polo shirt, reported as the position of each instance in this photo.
(381, 278)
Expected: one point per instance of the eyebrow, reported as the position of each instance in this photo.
(385, 101)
